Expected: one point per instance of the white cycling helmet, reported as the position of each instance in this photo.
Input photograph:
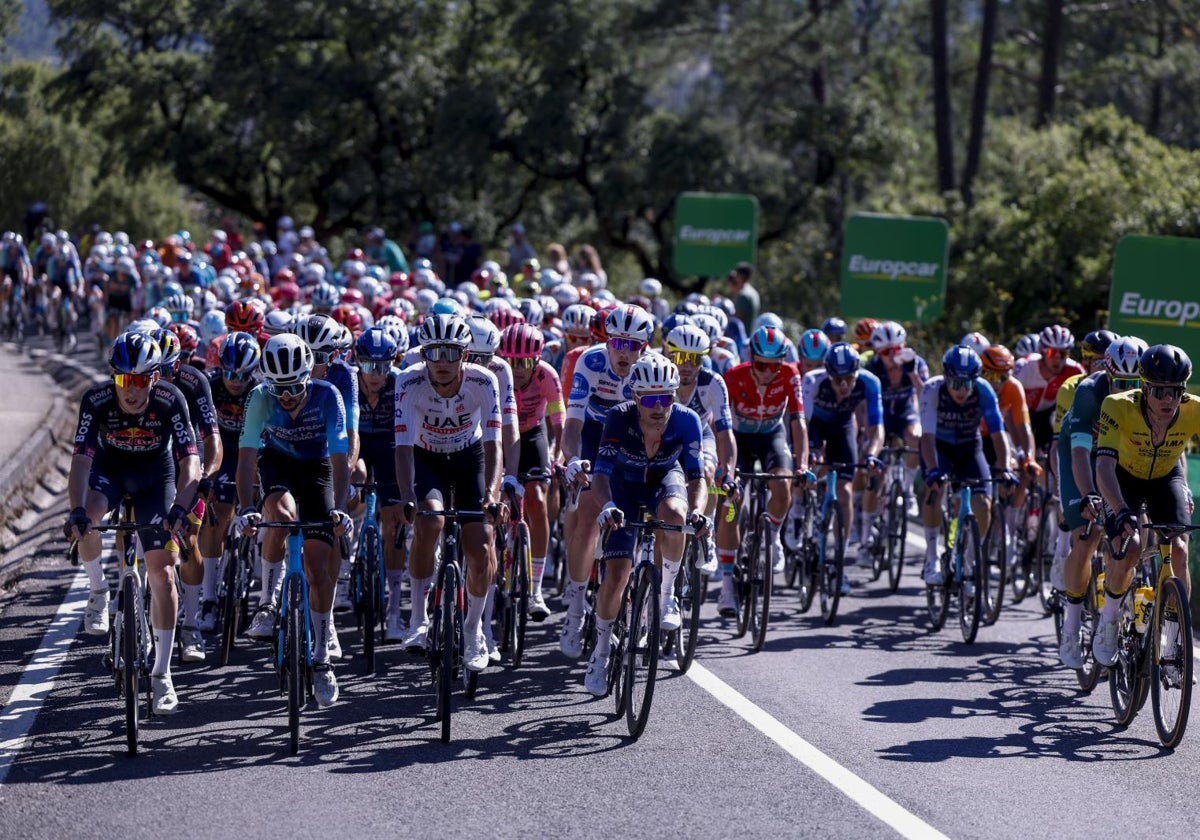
(688, 338)
(278, 321)
(425, 298)
(320, 332)
(650, 287)
(212, 324)
(394, 325)
(977, 341)
(286, 359)
(888, 334)
(1122, 357)
(532, 310)
(444, 329)
(577, 320)
(485, 336)
(1056, 337)
(768, 319)
(629, 322)
(325, 296)
(708, 324)
(653, 372)
(566, 295)
(313, 274)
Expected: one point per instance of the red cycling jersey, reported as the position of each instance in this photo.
(759, 410)
(1040, 393)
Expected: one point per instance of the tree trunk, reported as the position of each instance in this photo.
(983, 76)
(1048, 81)
(941, 98)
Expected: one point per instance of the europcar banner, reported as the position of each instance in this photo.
(894, 267)
(714, 232)
(1155, 294)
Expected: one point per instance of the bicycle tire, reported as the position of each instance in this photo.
(743, 575)
(1044, 554)
(519, 600)
(833, 568)
(296, 659)
(970, 588)
(1022, 562)
(1089, 674)
(897, 534)
(1171, 678)
(588, 629)
(616, 655)
(690, 586)
(370, 595)
(763, 581)
(995, 570)
(808, 553)
(937, 595)
(131, 659)
(229, 603)
(446, 647)
(641, 660)
(1125, 676)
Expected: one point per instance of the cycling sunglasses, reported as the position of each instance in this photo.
(888, 351)
(234, 376)
(479, 358)
(960, 384)
(442, 353)
(524, 364)
(843, 381)
(996, 376)
(293, 390)
(766, 367)
(374, 367)
(323, 357)
(653, 401)
(625, 345)
(134, 380)
(1125, 384)
(1054, 353)
(679, 357)
(1164, 392)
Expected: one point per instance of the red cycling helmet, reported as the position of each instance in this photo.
(245, 315)
(348, 316)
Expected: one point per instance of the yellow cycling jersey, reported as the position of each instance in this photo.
(1125, 434)
(1064, 399)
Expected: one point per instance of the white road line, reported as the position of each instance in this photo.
(40, 674)
(870, 798)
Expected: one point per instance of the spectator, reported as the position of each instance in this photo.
(589, 261)
(285, 238)
(472, 257)
(556, 254)
(385, 252)
(745, 298)
(452, 250)
(520, 251)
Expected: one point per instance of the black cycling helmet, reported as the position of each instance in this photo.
(1165, 364)
(1095, 344)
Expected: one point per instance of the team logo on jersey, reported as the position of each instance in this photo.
(596, 361)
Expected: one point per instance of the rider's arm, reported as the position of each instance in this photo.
(571, 438)
(601, 490)
(491, 471)
(77, 480)
(249, 443)
(1110, 488)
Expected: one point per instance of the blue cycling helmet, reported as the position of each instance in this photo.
(1165, 364)
(240, 353)
(814, 344)
(841, 360)
(835, 328)
(675, 319)
(768, 343)
(376, 345)
(135, 352)
(961, 362)
(446, 306)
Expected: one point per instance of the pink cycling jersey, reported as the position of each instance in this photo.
(541, 398)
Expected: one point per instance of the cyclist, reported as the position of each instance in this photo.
(812, 347)
(599, 384)
(1076, 478)
(540, 411)
(831, 400)
(1041, 375)
(668, 483)
(118, 295)
(131, 434)
(901, 374)
(230, 382)
(998, 364)
(1139, 459)
(295, 434)
(447, 424)
(834, 329)
(762, 393)
(951, 443)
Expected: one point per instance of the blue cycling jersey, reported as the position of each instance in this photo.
(952, 423)
(898, 398)
(316, 432)
(622, 454)
(822, 405)
(343, 376)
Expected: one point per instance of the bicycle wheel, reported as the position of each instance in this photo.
(518, 601)
(641, 659)
(1043, 559)
(588, 632)
(131, 663)
(689, 587)
(1022, 561)
(970, 588)
(1089, 674)
(743, 570)
(762, 581)
(369, 595)
(230, 602)
(616, 655)
(447, 646)
(995, 569)
(832, 569)
(877, 545)
(1125, 676)
(1171, 679)
(296, 659)
(809, 582)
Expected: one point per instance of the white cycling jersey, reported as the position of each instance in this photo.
(446, 424)
(595, 387)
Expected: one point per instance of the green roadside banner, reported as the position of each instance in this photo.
(1154, 293)
(714, 232)
(894, 267)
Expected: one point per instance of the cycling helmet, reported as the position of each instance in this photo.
(977, 341)
(189, 339)
(532, 310)
(631, 322)
(354, 296)
(125, 265)
(143, 325)
(1122, 357)
(444, 329)
(768, 343)
(1056, 337)
(349, 317)
(814, 344)
(1095, 343)
(160, 316)
(650, 287)
(240, 353)
(245, 315)
(549, 306)
(686, 307)
(313, 274)
(653, 372)
(842, 359)
(565, 294)
(834, 328)
(961, 362)
(717, 313)
(888, 334)
(325, 296)
(588, 280)
(168, 342)
(278, 321)
(485, 336)
(577, 320)
(505, 316)
(674, 320)
(864, 329)
(446, 306)
(376, 345)
(708, 324)
(425, 299)
(688, 338)
(134, 352)
(395, 325)
(1165, 364)
(521, 341)
(699, 299)
(1026, 345)
(286, 359)
(997, 358)
(767, 319)
(321, 333)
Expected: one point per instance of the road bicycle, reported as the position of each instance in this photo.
(826, 574)
(689, 590)
(233, 593)
(367, 576)
(515, 571)
(994, 579)
(752, 572)
(961, 562)
(890, 540)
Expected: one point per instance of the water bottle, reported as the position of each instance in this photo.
(953, 531)
(1143, 599)
(1099, 592)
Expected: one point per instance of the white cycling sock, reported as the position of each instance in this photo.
(669, 570)
(489, 606)
(395, 580)
(164, 640)
(208, 591)
(95, 573)
(271, 573)
(539, 570)
(910, 478)
(191, 604)
(1072, 618)
(603, 636)
(476, 604)
(931, 541)
(321, 624)
(420, 586)
(574, 597)
(868, 521)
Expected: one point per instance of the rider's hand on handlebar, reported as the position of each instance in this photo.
(343, 525)
(77, 525)
(934, 476)
(248, 519)
(1032, 467)
(700, 523)
(577, 472)
(1090, 506)
(510, 484)
(611, 517)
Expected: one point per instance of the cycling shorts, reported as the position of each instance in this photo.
(309, 482)
(380, 460)
(1166, 497)
(150, 483)
(895, 425)
(535, 455)
(632, 499)
(1042, 423)
(838, 443)
(437, 474)
(120, 303)
(963, 461)
(225, 479)
(768, 448)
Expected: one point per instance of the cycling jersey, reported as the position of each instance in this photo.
(952, 423)
(229, 408)
(508, 397)
(899, 409)
(542, 397)
(710, 400)
(595, 387)
(341, 375)
(1041, 392)
(425, 420)
(760, 410)
(106, 430)
(622, 455)
(315, 433)
(566, 373)
(1063, 400)
(822, 406)
(198, 393)
(377, 438)
(1011, 398)
(1081, 422)
(1125, 434)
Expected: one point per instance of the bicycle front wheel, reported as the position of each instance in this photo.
(519, 593)
(447, 646)
(970, 588)
(296, 658)
(744, 572)
(641, 657)
(762, 580)
(834, 548)
(1089, 674)
(995, 569)
(369, 595)
(1043, 556)
(897, 534)
(230, 603)
(1126, 677)
(1171, 677)
(1023, 546)
(131, 663)
(690, 587)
